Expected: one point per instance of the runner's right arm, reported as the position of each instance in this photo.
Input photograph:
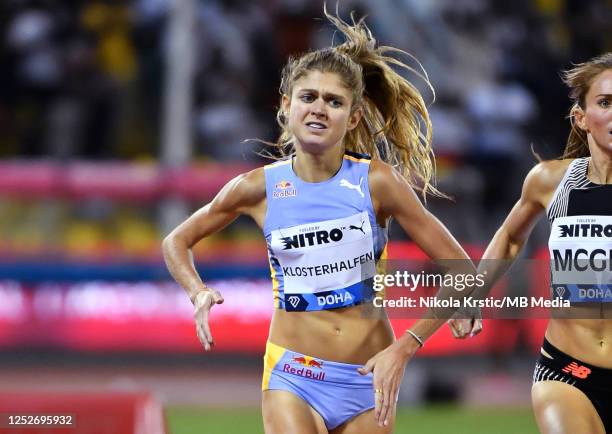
(242, 195)
(538, 188)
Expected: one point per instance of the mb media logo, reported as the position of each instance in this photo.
(311, 238)
(585, 230)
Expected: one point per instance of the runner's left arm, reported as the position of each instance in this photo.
(393, 196)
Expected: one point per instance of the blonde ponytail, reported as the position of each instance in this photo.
(396, 127)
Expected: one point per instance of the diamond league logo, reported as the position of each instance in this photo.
(561, 292)
(294, 301)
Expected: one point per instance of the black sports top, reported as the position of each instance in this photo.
(580, 243)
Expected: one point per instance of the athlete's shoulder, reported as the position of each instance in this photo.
(382, 173)
(254, 182)
(543, 179)
(548, 174)
(247, 188)
(387, 186)
(381, 166)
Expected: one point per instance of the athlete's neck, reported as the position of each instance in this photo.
(317, 167)
(600, 167)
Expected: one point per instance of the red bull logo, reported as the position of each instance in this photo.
(283, 185)
(306, 371)
(284, 189)
(310, 362)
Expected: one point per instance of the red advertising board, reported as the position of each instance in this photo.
(148, 316)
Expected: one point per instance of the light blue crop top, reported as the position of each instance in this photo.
(323, 239)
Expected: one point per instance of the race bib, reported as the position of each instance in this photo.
(324, 264)
(581, 258)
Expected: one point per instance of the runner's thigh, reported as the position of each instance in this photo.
(563, 409)
(283, 413)
(365, 423)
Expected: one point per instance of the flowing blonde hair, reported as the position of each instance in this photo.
(395, 126)
(579, 79)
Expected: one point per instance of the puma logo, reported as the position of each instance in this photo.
(358, 228)
(356, 187)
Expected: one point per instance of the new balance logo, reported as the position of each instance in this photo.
(356, 187)
(577, 370)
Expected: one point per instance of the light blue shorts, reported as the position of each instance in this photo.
(334, 390)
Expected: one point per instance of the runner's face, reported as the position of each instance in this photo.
(319, 111)
(598, 113)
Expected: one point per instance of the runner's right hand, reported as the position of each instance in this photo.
(204, 301)
(466, 323)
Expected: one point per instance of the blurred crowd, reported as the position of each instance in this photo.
(77, 80)
(85, 79)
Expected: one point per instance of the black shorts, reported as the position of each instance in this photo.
(596, 383)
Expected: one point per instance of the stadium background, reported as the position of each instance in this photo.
(118, 118)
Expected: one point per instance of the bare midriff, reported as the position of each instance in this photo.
(588, 339)
(347, 335)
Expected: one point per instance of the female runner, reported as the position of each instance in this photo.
(572, 390)
(324, 210)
